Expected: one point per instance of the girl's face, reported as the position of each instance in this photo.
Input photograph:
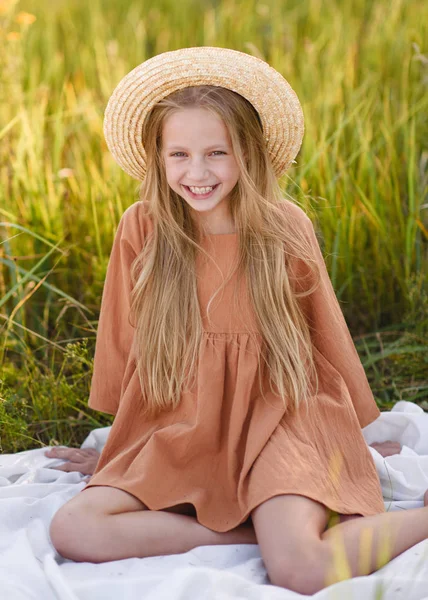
(199, 163)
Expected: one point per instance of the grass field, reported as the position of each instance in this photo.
(360, 70)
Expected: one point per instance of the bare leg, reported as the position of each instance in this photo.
(87, 531)
(363, 545)
(300, 555)
(155, 533)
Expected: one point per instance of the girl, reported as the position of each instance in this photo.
(221, 348)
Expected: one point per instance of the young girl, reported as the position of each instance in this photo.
(221, 349)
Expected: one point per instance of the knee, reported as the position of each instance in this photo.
(305, 575)
(71, 535)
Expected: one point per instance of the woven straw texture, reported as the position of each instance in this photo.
(271, 95)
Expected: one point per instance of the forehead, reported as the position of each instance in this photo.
(194, 125)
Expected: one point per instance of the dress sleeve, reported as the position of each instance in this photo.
(114, 334)
(331, 336)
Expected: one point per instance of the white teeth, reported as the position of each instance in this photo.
(201, 190)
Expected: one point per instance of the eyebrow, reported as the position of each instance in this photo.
(173, 147)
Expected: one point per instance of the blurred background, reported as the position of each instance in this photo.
(360, 70)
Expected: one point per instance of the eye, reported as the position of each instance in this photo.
(179, 154)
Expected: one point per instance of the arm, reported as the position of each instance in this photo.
(114, 334)
(330, 333)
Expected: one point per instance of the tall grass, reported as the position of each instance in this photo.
(360, 70)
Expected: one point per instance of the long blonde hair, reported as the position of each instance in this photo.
(164, 299)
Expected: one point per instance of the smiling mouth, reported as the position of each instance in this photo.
(201, 191)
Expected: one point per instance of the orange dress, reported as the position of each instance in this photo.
(225, 449)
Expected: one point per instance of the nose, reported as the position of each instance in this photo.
(197, 170)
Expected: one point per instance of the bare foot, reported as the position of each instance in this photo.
(426, 498)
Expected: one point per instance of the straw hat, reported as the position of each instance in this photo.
(271, 95)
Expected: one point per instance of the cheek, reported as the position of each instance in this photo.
(172, 173)
(231, 173)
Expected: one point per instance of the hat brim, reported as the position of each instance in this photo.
(271, 95)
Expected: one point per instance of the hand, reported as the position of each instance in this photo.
(387, 448)
(82, 460)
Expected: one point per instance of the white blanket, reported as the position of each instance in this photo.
(30, 568)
